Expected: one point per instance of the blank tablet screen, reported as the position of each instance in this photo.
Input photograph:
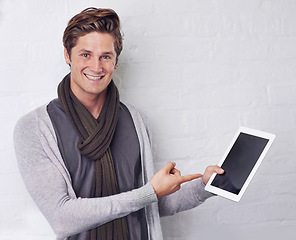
(239, 162)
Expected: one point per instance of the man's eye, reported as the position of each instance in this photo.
(105, 57)
(85, 55)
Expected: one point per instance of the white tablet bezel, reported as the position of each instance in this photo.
(227, 194)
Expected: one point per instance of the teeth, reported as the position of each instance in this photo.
(93, 78)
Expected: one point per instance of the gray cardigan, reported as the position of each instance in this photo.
(49, 183)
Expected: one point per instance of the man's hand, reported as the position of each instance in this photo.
(168, 180)
(209, 171)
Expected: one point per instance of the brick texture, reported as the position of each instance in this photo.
(198, 69)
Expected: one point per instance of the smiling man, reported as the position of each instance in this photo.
(92, 61)
(86, 157)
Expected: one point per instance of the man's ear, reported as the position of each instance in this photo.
(67, 57)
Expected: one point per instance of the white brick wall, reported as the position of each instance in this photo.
(198, 69)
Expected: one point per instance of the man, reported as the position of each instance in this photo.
(86, 157)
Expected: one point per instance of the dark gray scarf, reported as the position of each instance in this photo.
(95, 138)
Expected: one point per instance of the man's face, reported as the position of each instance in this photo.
(92, 61)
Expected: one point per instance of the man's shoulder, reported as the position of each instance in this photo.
(32, 121)
(135, 112)
(33, 116)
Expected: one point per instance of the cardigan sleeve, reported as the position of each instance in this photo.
(191, 195)
(49, 188)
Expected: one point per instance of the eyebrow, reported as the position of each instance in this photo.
(88, 51)
(108, 53)
(84, 51)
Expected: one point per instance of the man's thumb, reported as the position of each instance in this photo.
(169, 166)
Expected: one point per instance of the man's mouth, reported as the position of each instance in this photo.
(93, 77)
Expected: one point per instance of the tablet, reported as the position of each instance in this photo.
(240, 162)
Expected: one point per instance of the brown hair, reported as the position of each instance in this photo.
(93, 19)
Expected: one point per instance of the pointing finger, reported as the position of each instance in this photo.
(189, 177)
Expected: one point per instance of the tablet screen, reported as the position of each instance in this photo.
(239, 162)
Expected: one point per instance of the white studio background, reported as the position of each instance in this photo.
(198, 69)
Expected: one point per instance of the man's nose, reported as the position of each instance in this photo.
(96, 66)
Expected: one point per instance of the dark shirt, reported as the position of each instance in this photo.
(125, 151)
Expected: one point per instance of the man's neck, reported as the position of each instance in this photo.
(94, 103)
